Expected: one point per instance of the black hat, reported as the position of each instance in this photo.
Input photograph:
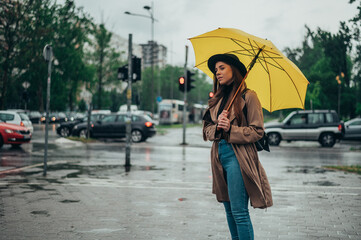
(229, 59)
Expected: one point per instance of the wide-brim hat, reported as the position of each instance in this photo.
(229, 59)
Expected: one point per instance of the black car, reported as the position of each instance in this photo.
(64, 129)
(114, 126)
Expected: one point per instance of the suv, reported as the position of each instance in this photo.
(323, 126)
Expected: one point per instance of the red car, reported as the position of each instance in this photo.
(13, 134)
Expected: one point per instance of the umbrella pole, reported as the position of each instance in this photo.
(240, 86)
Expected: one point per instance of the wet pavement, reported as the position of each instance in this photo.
(166, 194)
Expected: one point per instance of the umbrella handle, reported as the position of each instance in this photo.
(240, 86)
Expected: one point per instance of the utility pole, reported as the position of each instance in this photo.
(129, 102)
(185, 99)
(48, 56)
(150, 9)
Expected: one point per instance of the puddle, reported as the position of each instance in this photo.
(103, 230)
(307, 169)
(40, 213)
(146, 168)
(321, 183)
(322, 197)
(97, 171)
(69, 201)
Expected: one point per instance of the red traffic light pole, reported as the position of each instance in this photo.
(185, 98)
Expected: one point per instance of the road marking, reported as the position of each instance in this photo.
(15, 170)
(116, 185)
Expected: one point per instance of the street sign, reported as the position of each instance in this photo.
(26, 85)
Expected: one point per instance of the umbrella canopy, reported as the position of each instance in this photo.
(278, 82)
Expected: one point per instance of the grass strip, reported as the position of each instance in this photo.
(83, 140)
(352, 168)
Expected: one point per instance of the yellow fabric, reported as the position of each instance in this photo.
(278, 82)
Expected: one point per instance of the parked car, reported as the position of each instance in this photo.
(54, 118)
(34, 116)
(73, 116)
(323, 126)
(353, 129)
(20, 119)
(13, 134)
(64, 129)
(114, 126)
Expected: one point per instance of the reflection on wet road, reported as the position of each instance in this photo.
(104, 158)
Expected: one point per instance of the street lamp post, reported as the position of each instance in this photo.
(151, 17)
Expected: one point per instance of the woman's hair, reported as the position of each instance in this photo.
(219, 92)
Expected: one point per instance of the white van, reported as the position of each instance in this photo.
(124, 108)
(101, 112)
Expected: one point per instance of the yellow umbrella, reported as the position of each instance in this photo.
(278, 82)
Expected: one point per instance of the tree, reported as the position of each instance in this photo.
(73, 27)
(322, 57)
(12, 15)
(102, 37)
(36, 30)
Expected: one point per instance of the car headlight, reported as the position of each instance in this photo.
(9, 131)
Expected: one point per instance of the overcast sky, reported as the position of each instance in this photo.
(281, 21)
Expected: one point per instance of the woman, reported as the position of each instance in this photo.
(237, 173)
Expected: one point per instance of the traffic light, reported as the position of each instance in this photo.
(210, 95)
(189, 80)
(181, 82)
(123, 73)
(136, 65)
(137, 71)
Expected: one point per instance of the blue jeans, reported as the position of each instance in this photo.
(239, 221)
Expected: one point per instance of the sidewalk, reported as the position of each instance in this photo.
(167, 195)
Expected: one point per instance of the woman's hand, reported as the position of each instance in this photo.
(223, 121)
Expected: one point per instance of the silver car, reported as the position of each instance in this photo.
(353, 129)
(323, 126)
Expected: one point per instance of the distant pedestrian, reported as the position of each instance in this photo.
(237, 173)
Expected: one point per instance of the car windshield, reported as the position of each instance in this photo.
(147, 118)
(23, 116)
(7, 116)
(357, 122)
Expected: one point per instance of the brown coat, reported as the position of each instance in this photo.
(242, 138)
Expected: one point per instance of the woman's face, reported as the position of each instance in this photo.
(223, 73)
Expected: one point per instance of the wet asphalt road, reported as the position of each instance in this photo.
(166, 194)
(60, 149)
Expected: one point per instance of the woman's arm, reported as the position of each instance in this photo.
(254, 131)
